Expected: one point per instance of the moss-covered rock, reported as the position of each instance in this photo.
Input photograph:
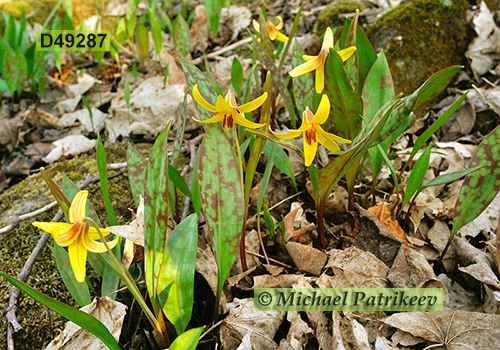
(421, 37)
(17, 244)
(329, 17)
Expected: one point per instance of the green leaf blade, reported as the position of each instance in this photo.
(417, 175)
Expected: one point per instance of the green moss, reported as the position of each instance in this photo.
(421, 37)
(329, 17)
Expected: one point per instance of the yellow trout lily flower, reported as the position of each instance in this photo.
(313, 133)
(273, 31)
(318, 62)
(78, 235)
(228, 111)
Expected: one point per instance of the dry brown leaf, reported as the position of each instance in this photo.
(274, 270)
(199, 34)
(252, 245)
(298, 330)
(459, 298)
(354, 268)
(307, 259)
(410, 270)
(451, 329)
(383, 213)
(242, 320)
(280, 281)
(69, 146)
(206, 265)
(111, 313)
(135, 230)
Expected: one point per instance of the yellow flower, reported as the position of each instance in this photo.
(314, 133)
(78, 236)
(318, 62)
(227, 110)
(273, 31)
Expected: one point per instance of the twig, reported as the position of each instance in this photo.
(270, 259)
(210, 329)
(486, 101)
(223, 50)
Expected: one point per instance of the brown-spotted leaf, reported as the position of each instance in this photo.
(303, 85)
(136, 166)
(480, 187)
(221, 197)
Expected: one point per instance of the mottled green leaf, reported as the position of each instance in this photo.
(141, 41)
(179, 137)
(10, 70)
(303, 85)
(79, 291)
(281, 160)
(480, 187)
(176, 282)
(449, 177)
(222, 197)
(181, 35)
(187, 340)
(417, 175)
(195, 76)
(156, 211)
(346, 106)
(378, 88)
(136, 166)
(281, 142)
(364, 50)
(155, 31)
(10, 31)
(80, 318)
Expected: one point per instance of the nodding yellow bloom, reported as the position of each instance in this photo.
(78, 235)
(313, 133)
(227, 111)
(273, 31)
(318, 62)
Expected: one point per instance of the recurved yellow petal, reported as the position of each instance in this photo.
(346, 53)
(77, 208)
(309, 151)
(320, 78)
(291, 134)
(272, 31)
(327, 140)
(239, 119)
(197, 96)
(280, 24)
(327, 40)
(308, 58)
(70, 235)
(252, 105)
(256, 25)
(215, 119)
(306, 67)
(52, 227)
(281, 37)
(78, 258)
(322, 132)
(323, 111)
(222, 106)
(93, 234)
(98, 247)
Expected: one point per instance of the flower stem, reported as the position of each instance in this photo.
(245, 209)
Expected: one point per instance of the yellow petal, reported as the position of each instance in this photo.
(98, 247)
(272, 31)
(306, 117)
(346, 53)
(280, 24)
(78, 258)
(323, 133)
(323, 111)
(215, 119)
(252, 105)
(256, 25)
(52, 227)
(309, 151)
(308, 58)
(320, 78)
(239, 119)
(197, 96)
(93, 234)
(291, 134)
(281, 37)
(327, 141)
(77, 208)
(222, 106)
(327, 40)
(306, 67)
(70, 235)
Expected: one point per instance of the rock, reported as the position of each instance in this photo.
(329, 17)
(421, 37)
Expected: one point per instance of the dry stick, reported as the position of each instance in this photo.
(270, 259)
(185, 210)
(13, 325)
(223, 50)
